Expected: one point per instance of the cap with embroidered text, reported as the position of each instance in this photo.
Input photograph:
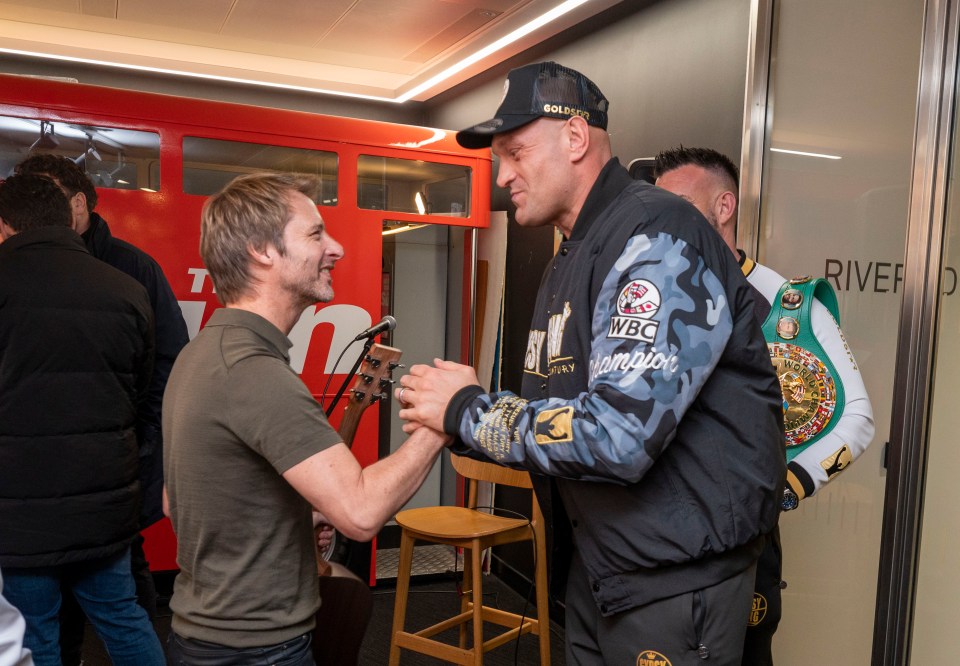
(541, 90)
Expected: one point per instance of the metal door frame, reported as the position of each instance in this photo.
(907, 454)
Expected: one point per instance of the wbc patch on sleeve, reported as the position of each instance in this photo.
(637, 304)
(554, 426)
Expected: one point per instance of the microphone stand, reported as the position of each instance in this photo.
(350, 375)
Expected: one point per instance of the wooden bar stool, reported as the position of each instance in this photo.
(473, 531)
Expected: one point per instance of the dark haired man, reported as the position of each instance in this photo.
(710, 181)
(649, 412)
(171, 336)
(76, 350)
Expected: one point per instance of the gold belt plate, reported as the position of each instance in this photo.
(809, 392)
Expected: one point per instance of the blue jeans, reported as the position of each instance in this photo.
(193, 652)
(104, 589)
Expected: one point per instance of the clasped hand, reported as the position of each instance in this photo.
(426, 391)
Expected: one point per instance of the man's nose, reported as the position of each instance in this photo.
(336, 250)
(505, 175)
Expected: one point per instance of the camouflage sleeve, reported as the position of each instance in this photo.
(659, 327)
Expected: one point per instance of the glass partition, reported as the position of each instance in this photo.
(837, 171)
(209, 164)
(413, 186)
(115, 158)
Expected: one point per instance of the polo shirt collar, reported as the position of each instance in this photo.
(256, 324)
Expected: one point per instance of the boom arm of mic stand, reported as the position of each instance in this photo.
(350, 375)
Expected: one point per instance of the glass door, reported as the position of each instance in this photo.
(835, 203)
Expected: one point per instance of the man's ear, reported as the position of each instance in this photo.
(78, 209)
(263, 256)
(577, 136)
(726, 209)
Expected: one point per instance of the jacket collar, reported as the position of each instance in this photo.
(610, 183)
(746, 263)
(97, 236)
(53, 236)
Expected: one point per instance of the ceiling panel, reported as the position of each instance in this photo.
(105, 8)
(206, 16)
(69, 6)
(396, 27)
(469, 24)
(300, 22)
(390, 50)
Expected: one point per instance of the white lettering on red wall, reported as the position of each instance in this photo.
(347, 320)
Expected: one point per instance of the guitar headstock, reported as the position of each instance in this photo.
(375, 375)
(372, 384)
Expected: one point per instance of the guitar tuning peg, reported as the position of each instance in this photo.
(394, 365)
(374, 362)
(366, 378)
(357, 394)
(376, 397)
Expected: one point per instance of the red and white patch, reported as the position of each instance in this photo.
(639, 299)
(637, 304)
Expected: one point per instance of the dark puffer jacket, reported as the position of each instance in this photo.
(171, 336)
(76, 353)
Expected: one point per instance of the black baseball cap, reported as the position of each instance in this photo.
(540, 90)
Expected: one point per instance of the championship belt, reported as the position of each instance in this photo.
(812, 390)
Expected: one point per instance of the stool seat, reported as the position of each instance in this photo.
(456, 522)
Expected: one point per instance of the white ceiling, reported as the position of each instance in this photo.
(384, 49)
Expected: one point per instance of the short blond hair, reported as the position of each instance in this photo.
(250, 212)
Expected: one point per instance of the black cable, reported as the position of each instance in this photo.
(526, 603)
(334, 371)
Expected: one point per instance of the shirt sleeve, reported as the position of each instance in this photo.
(659, 327)
(275, 414)
(852, 434)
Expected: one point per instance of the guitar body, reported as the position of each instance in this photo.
(345, 606)
(345, 599)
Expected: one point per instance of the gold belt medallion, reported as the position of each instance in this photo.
(809, 392)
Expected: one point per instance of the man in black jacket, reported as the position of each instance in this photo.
(76, 353)
(171, 336)
(649, 412)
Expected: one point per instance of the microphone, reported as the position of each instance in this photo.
(388, 323)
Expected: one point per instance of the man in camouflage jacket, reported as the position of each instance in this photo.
(649, 413)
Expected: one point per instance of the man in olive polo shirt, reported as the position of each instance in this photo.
(249, 451)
